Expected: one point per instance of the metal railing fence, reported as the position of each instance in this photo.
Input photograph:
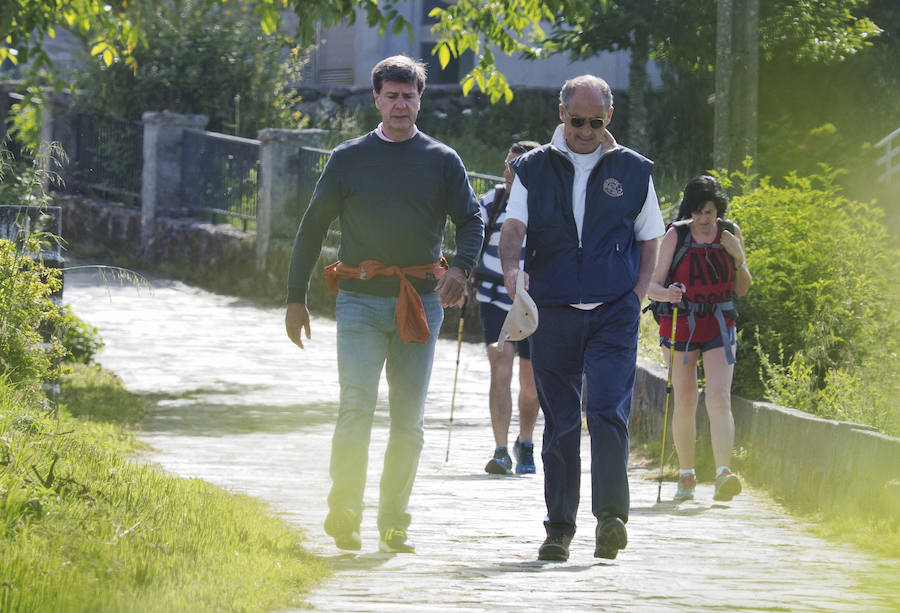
(108, 156)
(310, 164)
(482, 183)
(221, 176)
(220, 173)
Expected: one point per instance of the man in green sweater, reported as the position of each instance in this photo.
(393, 189)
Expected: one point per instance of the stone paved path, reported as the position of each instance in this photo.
(255, 415)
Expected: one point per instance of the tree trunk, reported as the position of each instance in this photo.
(637, 85)
(737, 83)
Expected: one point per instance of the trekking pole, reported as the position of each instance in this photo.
(662, 451)
(462, 319)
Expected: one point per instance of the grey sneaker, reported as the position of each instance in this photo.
(686, 486)
(524, 453)
(343, 526)
(393, 540)
(500, 464)
(727, 486)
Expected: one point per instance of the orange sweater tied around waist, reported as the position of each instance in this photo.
(411, 321)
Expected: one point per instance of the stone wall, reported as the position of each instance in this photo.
(808, 462)
(218, 257)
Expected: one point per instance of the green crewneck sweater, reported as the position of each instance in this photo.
(393, 199)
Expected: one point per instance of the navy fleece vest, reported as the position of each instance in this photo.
(605, 266)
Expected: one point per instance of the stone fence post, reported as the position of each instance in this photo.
(279, 186)
(56, 125)
(162, 171)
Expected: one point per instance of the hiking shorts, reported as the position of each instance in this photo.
(730, 331)
(492, 318)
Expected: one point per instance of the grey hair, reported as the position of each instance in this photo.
(586, 80)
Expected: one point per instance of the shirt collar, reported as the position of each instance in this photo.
(607, 143)
(380, 132)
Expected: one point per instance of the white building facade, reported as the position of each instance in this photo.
(344, 57)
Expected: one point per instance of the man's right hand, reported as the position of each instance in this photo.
(509, 281)
(512, 234)
(295, 318)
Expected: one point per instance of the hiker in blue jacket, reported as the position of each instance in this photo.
(591, 216)
(493, 305)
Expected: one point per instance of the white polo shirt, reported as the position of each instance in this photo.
(647, 225)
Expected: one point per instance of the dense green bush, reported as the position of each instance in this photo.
(81, 339)
(35, 333)
(25, 307)
(812, 112)
(201, 59)
(532, 115)
(822, 313)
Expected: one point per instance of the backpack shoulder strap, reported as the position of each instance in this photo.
(681, 246)
(727, 224)
(498, 205)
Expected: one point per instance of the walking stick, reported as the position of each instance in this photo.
(462, 319)
(662, 452)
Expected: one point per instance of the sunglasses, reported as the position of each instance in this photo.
(578, 122)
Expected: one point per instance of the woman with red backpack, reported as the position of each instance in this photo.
(702, 269)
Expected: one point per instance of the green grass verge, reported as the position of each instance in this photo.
(879, 536)
(83, 527)
(90, 392)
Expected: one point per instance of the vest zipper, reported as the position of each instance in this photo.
(579, 257)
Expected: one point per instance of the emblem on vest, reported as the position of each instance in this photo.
(612, 187)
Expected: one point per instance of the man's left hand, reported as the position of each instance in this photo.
(451, 288)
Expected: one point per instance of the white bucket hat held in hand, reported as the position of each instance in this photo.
(522, 319)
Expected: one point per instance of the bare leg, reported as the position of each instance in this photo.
(719, 374)
(684, 419)
(528, 400)
(500, 398)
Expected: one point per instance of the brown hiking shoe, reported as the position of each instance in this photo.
(555, 548)
(611, 537)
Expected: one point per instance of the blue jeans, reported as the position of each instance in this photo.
(601, 344)
(367, 339)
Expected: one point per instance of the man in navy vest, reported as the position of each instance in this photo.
(588, 211)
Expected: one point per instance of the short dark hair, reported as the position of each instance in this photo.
(523, 146)
(399, 69)
(698, 192)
